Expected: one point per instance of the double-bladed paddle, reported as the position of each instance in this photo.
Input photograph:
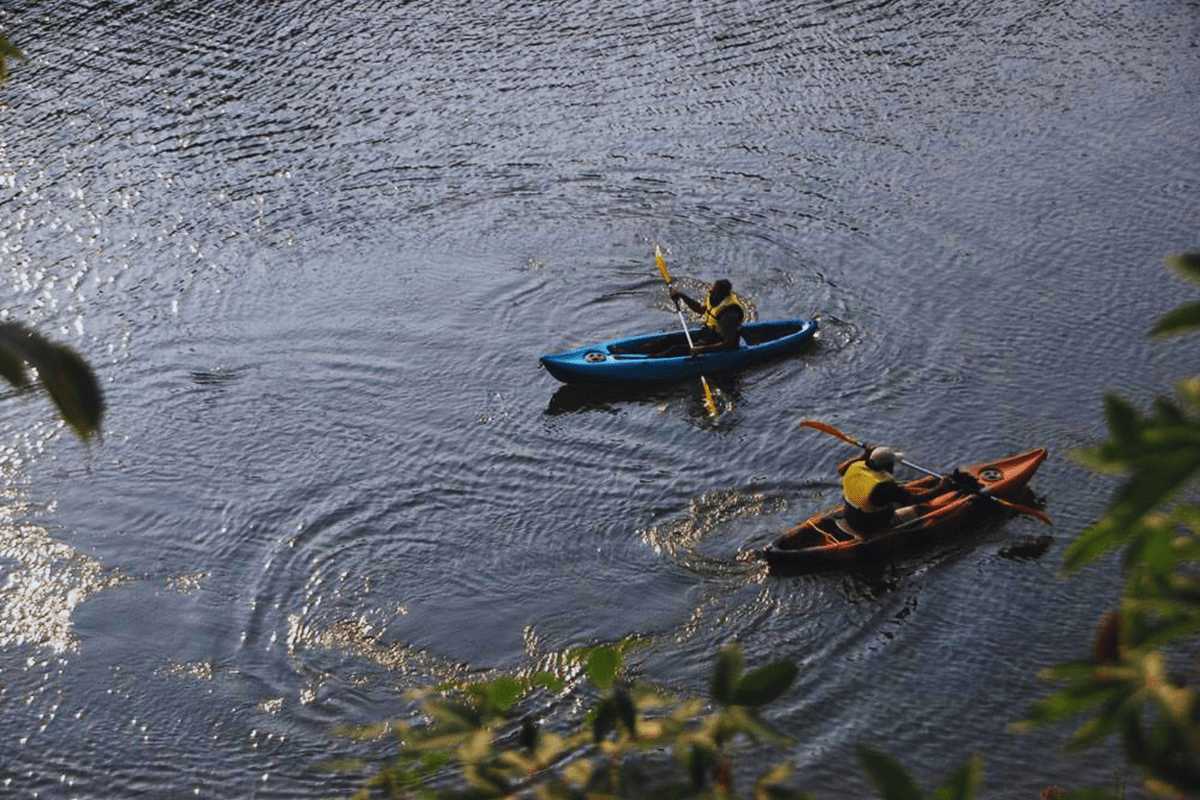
(710, 402)
(824, 427)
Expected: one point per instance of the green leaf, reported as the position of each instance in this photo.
(775, 776)
(1149, 489)
(12, 365)
(605, 720)
(547, 680)
(453, 715)
(771, 785)
(1077, 699)
(964, 784)
(617, 708)
(1153, 486)
(1093, 542)
(626, 710)
(740, 719)
(1188, 264)
(602, 665)
(66, 377)
(1110, 718)
(1181, 320)
(528, 735)
(1170, 633)
(72, 387)
(1167, 414)
(1122, 419)
(726, 674)
(1189, 391)
(1069, 671)
(7, 51)
(888, 776)
(765, 684)
(433, 762)
(701, 762)
(489, 782)
(501, 693)
(1156, 551)
(599, 783)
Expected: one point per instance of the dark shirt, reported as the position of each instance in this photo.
(732, 318)
(889, 492)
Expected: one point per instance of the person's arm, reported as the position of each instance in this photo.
(892, 492)
(928, 494)
(692, 304)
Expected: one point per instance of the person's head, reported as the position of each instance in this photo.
(883, 458)
(719, 290)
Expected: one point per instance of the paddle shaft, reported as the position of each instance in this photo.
(709, 401)
(682, 321)
(821, 426)
(666, 274)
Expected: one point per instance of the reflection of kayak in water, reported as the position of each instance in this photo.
(825, 540)
(632, 359)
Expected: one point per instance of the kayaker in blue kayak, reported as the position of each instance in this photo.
(723, 315)
(871, 494)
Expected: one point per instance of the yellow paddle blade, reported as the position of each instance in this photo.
(661, 263)
(710, 402)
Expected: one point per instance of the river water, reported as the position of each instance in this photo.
(314, 249)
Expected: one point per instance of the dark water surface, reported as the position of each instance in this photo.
(314, 250)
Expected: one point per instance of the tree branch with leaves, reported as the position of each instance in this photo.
(1128, 689)
(65, 376)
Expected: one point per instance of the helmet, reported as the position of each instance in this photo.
(883, 458)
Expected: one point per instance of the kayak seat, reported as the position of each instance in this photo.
(849, 533)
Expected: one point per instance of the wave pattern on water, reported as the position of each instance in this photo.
(314, 250)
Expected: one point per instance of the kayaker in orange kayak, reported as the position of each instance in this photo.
(871, 494)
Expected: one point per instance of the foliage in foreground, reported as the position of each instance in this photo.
(477, 734)
(473, 743)
(64, 375)
(1128, 688)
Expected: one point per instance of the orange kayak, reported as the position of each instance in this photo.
(825, 541)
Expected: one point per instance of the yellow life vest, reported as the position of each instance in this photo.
(859, 481)
(712, 314)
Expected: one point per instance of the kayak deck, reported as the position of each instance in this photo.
(636, 358)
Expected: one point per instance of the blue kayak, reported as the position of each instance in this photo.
(633, 360)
